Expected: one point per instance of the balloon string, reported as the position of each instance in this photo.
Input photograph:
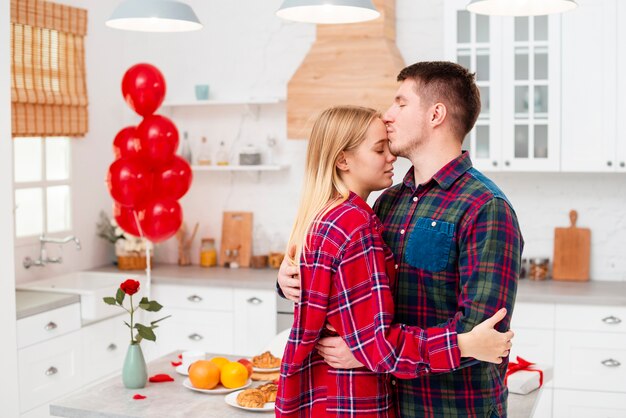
(148, 246)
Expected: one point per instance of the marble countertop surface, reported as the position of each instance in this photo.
(593, 292)
(30, 303)
(110, 399)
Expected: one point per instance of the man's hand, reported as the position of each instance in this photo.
(336, 353)
(289, 278)
(484, 343)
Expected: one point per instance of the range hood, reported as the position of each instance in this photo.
(354, 64)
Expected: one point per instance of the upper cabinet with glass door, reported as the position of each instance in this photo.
(516, 61)
(531, 93)
(475, 44)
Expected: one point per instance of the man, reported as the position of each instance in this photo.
(454, 235)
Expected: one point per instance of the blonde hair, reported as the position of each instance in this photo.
(337, 129)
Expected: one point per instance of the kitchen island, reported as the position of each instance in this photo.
(109, 399)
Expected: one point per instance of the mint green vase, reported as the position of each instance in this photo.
(135, 372)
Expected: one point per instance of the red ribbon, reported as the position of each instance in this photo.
(522, 365)
(176, 363)
(139, 397)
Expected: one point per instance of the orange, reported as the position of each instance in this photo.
(220, 361)
(234, 375)
(204, 374)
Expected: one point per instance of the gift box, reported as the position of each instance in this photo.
(523, 377)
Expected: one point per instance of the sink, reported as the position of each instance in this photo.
(91, 286)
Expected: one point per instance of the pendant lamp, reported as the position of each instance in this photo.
(328, 11)
(154, 16)
(520, 7)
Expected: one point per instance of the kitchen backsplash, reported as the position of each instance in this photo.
(257, 63)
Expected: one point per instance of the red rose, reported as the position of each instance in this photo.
(130, 287)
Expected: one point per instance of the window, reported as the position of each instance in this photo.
(42, 186)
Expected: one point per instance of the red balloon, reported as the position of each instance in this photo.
(174, 180)
(143, 88)
(126, 143)
(158, 138)
(125, 218)
(129, 181)
(161, 219)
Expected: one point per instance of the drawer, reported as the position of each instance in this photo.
(49, 370)
(591, 361)
(576, 404)
(196, 330)
(591, 318)
(104, 347)
(46, 325)
(193, 297)
(533, 315)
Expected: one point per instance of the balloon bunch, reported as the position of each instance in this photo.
(147, 178)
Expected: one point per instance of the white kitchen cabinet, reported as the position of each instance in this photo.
(104, 347)
(621, 88)
(587, 404)
(517, 65)
(255, 320)
(215, 319)
(589, 76)
(49, 369)
(475, 44)
(204, 330)
(49, 324)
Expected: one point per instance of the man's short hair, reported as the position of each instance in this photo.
(450, 84)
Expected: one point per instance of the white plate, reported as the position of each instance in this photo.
(262, 370)
(231, 399)
(182, 370)
(219, 390)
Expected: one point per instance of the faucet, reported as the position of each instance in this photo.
(43, 256)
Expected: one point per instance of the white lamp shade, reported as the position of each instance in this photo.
(520, 7)
(328, 11)
(154, 16)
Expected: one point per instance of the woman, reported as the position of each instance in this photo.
(347, 276)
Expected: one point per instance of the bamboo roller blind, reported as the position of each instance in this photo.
(48, 80)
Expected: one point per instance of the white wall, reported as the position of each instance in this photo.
(8, 347)
(245, 51)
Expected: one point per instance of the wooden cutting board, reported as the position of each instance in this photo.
(572, 249)
(236, 238)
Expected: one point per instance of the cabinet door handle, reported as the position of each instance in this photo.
(494, 163)
(51, 371)
(254, 300)
(609, 163)
(507, 163)
(195, 337)
(194, 299)
(611, 320)
(611, 363)
(622, 164)
(112, 347)
(50, 326)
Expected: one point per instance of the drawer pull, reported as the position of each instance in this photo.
(112, 347)
(50, 326)
(194, 299)
(255, 301)
(611, 320)
(51, 371)
(196, 337)
(611, 363)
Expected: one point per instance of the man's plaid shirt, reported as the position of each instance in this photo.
(457, 246)
(345, 282)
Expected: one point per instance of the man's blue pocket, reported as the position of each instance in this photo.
(429, 244)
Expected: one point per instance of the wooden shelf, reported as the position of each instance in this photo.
(238, 167)
(225, 102)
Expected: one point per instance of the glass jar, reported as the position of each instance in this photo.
(524, 268)
(249, 155)
(539, 268)
(208, 254)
